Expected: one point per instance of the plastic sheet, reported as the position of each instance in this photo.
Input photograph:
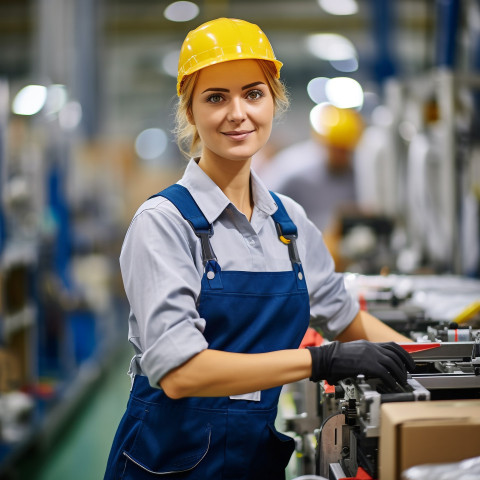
(468, 469)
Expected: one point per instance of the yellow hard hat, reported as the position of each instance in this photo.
(222, 40)
(337, 127)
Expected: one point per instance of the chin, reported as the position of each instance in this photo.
(239, 158)
(241, 154)
(236, 156)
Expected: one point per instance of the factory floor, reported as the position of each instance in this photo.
(80, 452)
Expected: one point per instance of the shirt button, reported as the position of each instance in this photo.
(251, 241)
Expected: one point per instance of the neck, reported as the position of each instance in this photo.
(233, 178)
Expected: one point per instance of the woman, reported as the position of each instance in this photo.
(223, 278)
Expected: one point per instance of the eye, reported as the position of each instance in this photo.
(214, 98)
(255, 94)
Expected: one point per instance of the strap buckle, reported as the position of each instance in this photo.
(207, 250)
(290, 241)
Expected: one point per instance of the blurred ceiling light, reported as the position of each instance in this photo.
(339, 7)
(170, 63)
(316, 89)
(320, 121)
(70, 115)
(331, 46)
(344, 92)
(56, 99)
(29, 100)
(151, 143)
(181, 11)
(349, 65)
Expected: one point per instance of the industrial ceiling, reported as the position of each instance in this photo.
(134, 37)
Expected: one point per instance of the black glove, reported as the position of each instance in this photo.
(336, 361)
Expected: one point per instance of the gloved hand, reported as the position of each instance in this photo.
(336, 361)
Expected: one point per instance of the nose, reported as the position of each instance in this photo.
(236, 112)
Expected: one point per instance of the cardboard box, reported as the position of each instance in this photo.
(10, 375)
(417, 433)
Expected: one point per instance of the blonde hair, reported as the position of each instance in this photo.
(188, 139)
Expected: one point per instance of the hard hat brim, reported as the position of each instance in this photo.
(199, 65)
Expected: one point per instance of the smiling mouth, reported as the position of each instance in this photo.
(238, 135)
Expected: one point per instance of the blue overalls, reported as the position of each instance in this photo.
(219, 438)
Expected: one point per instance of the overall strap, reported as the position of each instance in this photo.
(286, 229)
(186, 205)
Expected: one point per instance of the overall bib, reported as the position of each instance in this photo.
(219, 438)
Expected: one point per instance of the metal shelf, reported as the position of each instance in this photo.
(15, 322)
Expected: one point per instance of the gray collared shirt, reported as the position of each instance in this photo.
(161, 266)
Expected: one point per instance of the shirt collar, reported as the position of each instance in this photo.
(212, 201)
(261, 196)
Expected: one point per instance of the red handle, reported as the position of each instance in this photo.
(418, 347)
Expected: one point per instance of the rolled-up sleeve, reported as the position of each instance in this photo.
(332, 308)
(162, 284)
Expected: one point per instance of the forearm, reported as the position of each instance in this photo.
(213, 373)
(368, 327)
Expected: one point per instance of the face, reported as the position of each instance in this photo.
(339, 159)
(232, 109)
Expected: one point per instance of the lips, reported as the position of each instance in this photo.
(238, 135)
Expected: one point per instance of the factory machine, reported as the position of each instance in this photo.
(347, 439)
(337, 432)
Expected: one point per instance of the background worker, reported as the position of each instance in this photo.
(223, 279)
(319, 172)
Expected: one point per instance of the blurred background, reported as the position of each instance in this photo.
(87, 93)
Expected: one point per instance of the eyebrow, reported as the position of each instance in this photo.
(218, 89)
(250, 85)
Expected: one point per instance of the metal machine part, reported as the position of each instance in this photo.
(449, 369)
(350, 430)
(302, 418)
(337, 427)
(448, 332)
(351, 410)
